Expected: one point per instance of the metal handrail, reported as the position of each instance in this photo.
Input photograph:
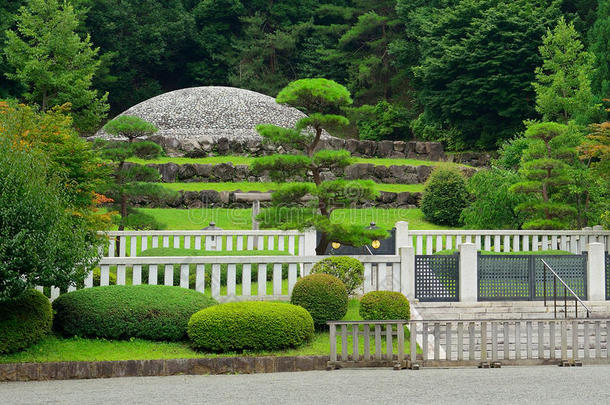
(566, 288)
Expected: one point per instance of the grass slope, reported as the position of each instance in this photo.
(232, 218)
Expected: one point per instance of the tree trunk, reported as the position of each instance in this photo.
(315, 142)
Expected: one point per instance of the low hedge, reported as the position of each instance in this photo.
(323, 295)
(24, 321)
(153, 312)
(346, 269)
(250, 326)
(384, 305)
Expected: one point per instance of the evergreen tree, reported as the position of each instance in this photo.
(54, 63)
(477, 59)
(304, 205)
(544, 171)
(563, 86)
(129, 181)
(599, 39)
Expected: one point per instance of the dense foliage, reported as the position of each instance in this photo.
(459, 71)
(444, 197)
(347, 269)
(323, 296)
(153, 312)
(42, 242)
(24, 321)
(384, 305)
(250, 326)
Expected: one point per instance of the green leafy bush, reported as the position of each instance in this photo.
(153, 312)
(323, 295)
(444, 197)
(130, 126)
(24, 321)
(347, 269)
(384, 305)
(250, 326)
(147, 150)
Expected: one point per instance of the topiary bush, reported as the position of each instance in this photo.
(323, 296)
(250, 326)
(147, 150)
(24, 321)
(444, 197)
(347, 269)
(384, 305)
(153, 312)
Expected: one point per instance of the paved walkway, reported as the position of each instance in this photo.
(542, 384)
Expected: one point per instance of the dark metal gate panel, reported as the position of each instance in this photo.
(608, 276)
(504, 278)
(521, 277)
(571, 268)
(437, 277)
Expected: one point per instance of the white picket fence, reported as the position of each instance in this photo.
(504, 241)
(131, 243)
(380, 273)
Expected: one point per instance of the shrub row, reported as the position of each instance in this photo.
(153, 312)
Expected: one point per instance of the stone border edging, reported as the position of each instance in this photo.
(163, 367)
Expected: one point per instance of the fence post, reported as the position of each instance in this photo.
(468, 272)
(407, 271)
(402, 236)
(596, 272)
(309, 248)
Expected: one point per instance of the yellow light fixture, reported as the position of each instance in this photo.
(375, 244)
(336, 245)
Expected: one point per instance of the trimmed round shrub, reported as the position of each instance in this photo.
(347, 269)
(24, 321)
(153, 312)
(444, 197)
(147, 150)
(250, 326)
(384, 305)
(323, 296)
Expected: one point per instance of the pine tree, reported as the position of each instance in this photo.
(131, 181)
(563, 86)
(544, 169)
(54, 63)
(303, 205)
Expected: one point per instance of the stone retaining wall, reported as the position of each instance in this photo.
(226, 199)
(204, 147)
(227, 172)
(149, 368)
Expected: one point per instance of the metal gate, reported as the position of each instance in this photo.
(521, 277)
(437, 277)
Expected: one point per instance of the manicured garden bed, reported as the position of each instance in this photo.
(55, 348)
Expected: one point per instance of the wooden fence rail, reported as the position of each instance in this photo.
(428, 242)
(483, 343)
(235, 278)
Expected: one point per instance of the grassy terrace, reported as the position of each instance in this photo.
(233, 218)
(247, 186)
(246, 160)
(57, 348)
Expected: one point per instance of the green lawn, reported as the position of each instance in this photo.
(56, 348)
(232, 218)
(245, 160)
(248, 186)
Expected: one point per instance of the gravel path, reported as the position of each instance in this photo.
(550, 385)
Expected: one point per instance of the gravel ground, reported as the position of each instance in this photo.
(542, 384)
